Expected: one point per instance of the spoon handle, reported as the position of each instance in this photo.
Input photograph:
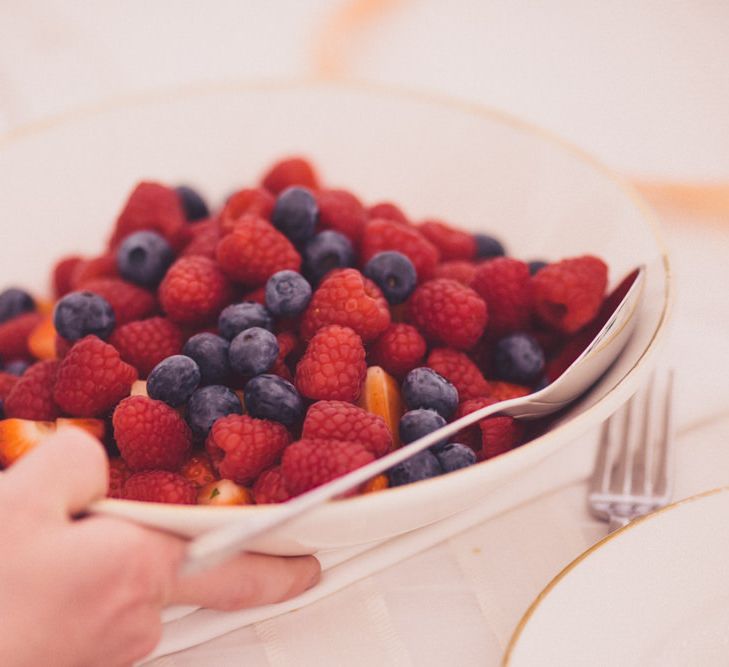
(217, 545)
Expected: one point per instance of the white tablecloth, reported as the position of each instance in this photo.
(642, 84)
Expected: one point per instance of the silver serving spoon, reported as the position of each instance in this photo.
(221, 543)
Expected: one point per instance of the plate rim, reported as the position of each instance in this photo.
(174, 93)
(521, 626)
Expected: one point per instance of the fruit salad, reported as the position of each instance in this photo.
(249, 353)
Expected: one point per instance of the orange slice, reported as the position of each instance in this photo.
(42, 340)
(381, 396)
(19, 436)
(379, 483)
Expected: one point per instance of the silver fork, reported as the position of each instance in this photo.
(632, 474)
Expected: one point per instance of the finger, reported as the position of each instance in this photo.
(150, 559)
(62, 475)
(248, 580)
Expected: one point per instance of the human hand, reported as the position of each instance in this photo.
(90, 591)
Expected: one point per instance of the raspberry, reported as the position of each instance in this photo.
(291, 171)
(128, 301)
(249, 201)
(287, 344)
(91, 269)
(337, 420)
(61, 277)
(460, 270)
(452, 243)
(497, 434)
(257, 295)
(118, 475)
(398, 350)
(152, 207)
(460, 371)
(383, 234)
(254, 251)
(388, 211)
(194, 291)
(204, 241)
(568, 294)
(150, 434)
(503, 391)
(270, 487)
(7, 382)
(449, 313)
(347, 298)
(160, 486)
(307, 464)
(145, 343)
(199, 469)
(92, 379)
(14, 336)
(333, 366)
(32, 395)
(504, 284)
(341, 212)
(241, 447)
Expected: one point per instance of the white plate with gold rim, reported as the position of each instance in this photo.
(63, 181)
(655, 593)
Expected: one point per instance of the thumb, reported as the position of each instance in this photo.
(64, 473)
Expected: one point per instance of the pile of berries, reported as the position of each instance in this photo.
(250, 354)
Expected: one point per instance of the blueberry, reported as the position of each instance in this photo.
(2, 410)
(326, 251)
(272, 397)
(79, 314)
(424, 388)
(394, 274)
(488, 247)
(16, 367)
(192, 203)
(417, 423)
(210, 352)
(518, 358)
(422, 465)
(173, 380)
(143, 258)
(242, 316)
(287, 294)
(536, 265)
(295, 214)
(253, 351)
(15, 302)
(455, 456)
(209, 404)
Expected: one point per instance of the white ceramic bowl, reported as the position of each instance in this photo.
(62, 183)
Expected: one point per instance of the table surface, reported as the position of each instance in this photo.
(459, 601)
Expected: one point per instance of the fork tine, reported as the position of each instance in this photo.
(621, 471)
(643, 455)
(666, 441)
(600, 476)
